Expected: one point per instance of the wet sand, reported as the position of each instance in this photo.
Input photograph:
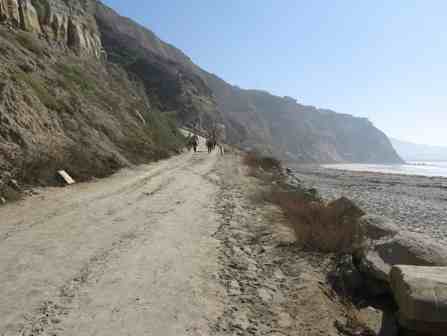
(415, 203)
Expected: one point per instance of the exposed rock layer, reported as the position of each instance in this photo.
(67, 22)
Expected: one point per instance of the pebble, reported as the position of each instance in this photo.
(235, 289)
(265, 295)
(285, 320)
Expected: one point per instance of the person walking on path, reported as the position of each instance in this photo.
(195, 142)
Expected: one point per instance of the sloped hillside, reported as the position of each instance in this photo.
(254, 119)
(62, 106)
(301, 133)
(170, 79)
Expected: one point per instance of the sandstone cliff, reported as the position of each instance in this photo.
(70, 23)
(62, 106)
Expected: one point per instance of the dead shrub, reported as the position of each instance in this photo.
(265, 168)
(266, 163)
(319, 226)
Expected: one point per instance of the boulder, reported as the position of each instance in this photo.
(385, 247)
(377, 227)
(408, 248)
(421, 294)
(381, 321)
(344, 207)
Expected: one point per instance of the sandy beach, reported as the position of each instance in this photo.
(415, 203)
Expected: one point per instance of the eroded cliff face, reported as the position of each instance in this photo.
(62, 106)
(69, 23)
(170, 78)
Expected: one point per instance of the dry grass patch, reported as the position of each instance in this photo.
(319, 226)
(265, 168)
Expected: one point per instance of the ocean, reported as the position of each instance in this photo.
(410, 168)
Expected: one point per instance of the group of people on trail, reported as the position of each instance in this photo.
(211, 144)
(214, 139)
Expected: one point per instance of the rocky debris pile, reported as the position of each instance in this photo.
(385, 246)
(379, 268)
(421, 293)
(274, 287)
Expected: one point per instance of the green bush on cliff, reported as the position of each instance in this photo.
(41, 90)
(42, 8)
(28, 41)
(163, 130)
(74, 78)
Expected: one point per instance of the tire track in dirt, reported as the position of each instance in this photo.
(75, 207)
(140, 209)
(46, 318)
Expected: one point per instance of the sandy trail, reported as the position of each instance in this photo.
(132, 254)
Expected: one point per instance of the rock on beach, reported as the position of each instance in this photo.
(386, 247)
(421, 294)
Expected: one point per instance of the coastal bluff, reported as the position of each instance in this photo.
(81, 81)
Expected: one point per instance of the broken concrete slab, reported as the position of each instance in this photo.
(66, 177)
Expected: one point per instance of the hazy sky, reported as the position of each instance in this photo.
(384, 60)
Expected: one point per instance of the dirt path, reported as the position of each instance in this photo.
(179, 247)
(132, 254)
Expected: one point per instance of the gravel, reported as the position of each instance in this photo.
(415, 203)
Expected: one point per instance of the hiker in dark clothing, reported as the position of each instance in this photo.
(210, 144)
(195, 142)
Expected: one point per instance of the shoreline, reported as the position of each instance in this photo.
(414, 202)
(377, 168)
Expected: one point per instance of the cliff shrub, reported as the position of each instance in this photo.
(42, 8)
(28, 41)
(74, 78)
(41, 90)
